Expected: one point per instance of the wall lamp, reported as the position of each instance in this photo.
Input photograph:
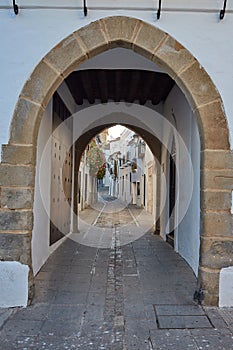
(15, 7)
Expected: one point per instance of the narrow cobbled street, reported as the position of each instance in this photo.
(132, 294)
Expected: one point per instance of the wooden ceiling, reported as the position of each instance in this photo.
(138, 86)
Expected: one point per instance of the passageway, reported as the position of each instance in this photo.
(133, 296)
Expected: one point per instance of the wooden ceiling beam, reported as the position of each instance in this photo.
(133, 86)
(86, 78)
(118, 86)
(146, 91)
(103, 84)
(78, 96)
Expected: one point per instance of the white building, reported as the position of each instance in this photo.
(168, 77)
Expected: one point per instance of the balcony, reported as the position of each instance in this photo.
(141, 149)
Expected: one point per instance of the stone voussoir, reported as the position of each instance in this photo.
(213, 128)
(217, 159)
(16, 175)
(17, 154)
(216, 224)
(219, 179)
(120, 30)
(197, 86)
(216, 253)
(16, 198)
(66, 56)
(93, 38)
(16, 220)
(42, 83)
(174, 57)
(147, 40)
(26, 121)
(216, 200)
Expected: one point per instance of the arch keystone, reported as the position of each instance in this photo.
(121, 30)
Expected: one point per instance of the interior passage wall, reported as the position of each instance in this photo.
(41, 229)
(41, 248)
(187, 233)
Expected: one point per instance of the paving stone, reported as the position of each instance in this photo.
(35, 312)
(96, 298)
(4, 315)
(217, 342)
(60, 328)
(133, 341)
(66, 312)
(70, 298)
(44, 342)
(27, 342)
(227, 315)
(94, 312)
(44, 296)
(14, 328)
(215, 317)
(172, 340)
(136, 311)
(164, 298)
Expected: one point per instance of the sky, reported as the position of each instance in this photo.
(115, 131)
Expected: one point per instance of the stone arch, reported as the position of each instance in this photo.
(19, 156)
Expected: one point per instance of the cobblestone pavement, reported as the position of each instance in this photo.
(136, 296)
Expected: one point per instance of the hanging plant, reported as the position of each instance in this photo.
(101, 172)
(96, 160)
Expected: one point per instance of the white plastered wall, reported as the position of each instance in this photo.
(195, 24)
(41, 229)
(187, 232)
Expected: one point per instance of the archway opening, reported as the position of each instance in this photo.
(151, 104)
